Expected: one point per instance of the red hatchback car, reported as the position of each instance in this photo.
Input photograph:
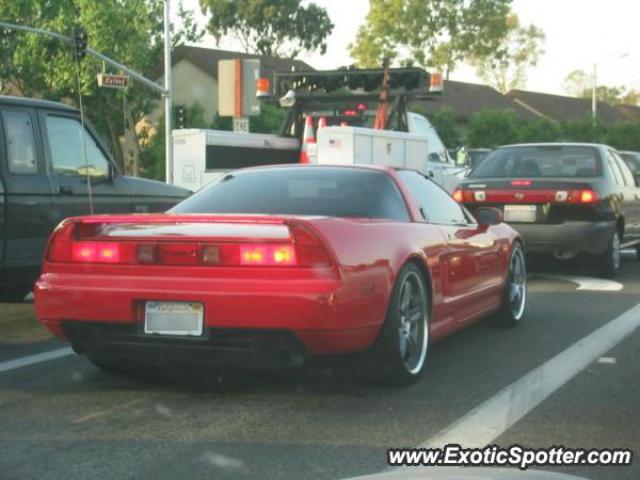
(278, 263)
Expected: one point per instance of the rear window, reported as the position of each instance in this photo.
(335, 192)
(540, 161)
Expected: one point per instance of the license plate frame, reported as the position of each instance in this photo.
(520, 213)
(183, 319)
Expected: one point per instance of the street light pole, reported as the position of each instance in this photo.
(167, 97)
(594, 100)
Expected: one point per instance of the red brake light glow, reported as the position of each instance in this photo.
(267, 255)
(95, 252)
(457, 196)
(587, 196)
(521, 183)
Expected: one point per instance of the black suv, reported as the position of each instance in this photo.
(44, 178)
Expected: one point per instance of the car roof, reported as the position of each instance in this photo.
(557, 144)
(34, 102)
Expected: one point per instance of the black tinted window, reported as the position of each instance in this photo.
(436, 205)
(540, 161)
(336, 192)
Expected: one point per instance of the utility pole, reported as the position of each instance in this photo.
(167, 97)
(594, 99)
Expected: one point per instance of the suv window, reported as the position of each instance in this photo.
(20, 142)
(436, 205)
(67, 155)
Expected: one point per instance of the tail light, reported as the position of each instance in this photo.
(586, 196)
(467, 196)
(69, 244)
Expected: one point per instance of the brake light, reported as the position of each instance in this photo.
(457, 196)
(521, 183)
(587, 196)
(582, 196)
(95, 252)
(267, 255)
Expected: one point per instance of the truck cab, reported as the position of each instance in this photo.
(439, 165)
(45, 177)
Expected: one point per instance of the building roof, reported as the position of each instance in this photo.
(206, 59)
(33, 102)
(564, 109)
(630, 112)
(465, 99)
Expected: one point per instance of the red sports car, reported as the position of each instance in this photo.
(275, 264)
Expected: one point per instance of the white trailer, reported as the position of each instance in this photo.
(201, 156)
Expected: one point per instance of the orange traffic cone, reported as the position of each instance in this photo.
(308, 139)
(322, 122)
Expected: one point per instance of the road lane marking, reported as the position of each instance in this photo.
(482, 425)
(34, 359)
(584, 283)
(102, 413)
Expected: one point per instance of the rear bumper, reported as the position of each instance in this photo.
(321, 314)
(569, 238)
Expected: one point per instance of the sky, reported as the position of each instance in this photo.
(579, 33)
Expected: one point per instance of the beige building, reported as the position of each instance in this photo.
(195, 73)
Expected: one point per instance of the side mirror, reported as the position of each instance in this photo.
(488, 216)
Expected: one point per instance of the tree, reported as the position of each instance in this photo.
(444, 121)
(431, 33)
(491, 128)
(129, 31)
(506, 67)
(270, 27)
(624, 136)
(579, 84)
(540, 130)
(583, 130)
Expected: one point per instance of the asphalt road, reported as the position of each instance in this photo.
(65, 419)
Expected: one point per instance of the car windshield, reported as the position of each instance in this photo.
(337, 192)
(537, 161)
(632, 159)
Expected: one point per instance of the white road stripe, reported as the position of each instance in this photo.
(34, 359)
(490, 419)
(584, 283)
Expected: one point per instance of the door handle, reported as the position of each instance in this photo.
(431, 173)
(65, 190)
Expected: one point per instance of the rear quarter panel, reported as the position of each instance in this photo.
(371, 254)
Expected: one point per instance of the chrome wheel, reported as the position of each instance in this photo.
(517, 286)
(413, 330)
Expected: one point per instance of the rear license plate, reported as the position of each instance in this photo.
(520, 213)
(173, 318)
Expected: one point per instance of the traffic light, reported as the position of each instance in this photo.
(181, 116)
(81, 39)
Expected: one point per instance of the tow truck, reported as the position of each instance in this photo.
(360, 115)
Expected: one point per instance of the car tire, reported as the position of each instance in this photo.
(608, 263)
(13, 294)
(400, 351)
(514, 297)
